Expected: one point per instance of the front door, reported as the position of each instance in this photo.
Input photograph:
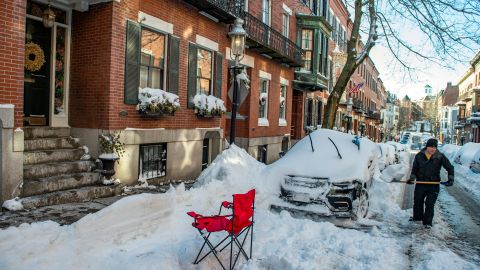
(37, 73)
(46, 66)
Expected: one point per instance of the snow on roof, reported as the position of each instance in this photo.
(324, 161)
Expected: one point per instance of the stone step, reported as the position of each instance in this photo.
(57, 183)
(45, 132)
(51, 143)
(47, 156)
(54, 169)
(71, 196)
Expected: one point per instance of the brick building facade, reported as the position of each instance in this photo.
(99, 55)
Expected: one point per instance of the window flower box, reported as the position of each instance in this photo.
(208, 106)
(156, 103)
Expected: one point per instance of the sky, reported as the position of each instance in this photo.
(400, 82)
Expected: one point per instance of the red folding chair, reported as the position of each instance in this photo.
(239, 223)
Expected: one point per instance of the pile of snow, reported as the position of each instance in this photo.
(156, 97)
(208, 104)
(450, 151)
(146, 231)
(14, 204)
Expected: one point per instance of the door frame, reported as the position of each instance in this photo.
(58, 120)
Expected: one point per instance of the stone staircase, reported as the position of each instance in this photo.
(53, 172)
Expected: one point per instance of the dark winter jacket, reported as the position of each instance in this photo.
(429, 169)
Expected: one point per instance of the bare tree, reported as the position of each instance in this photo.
(450, 27)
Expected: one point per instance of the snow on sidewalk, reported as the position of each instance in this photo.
(152, 231)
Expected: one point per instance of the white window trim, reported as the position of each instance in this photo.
(155, 22)
(269, 23)
(288, 25)
(207, 43)
(263, 121)
(282, 122)
(283, 82)
(264, 75)
(287, 9)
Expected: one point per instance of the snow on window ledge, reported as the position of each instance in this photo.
(282, 122)
(263, 122)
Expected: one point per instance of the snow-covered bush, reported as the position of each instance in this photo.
(207, 106)
(263, 98)
(157, 101)
(110, 145)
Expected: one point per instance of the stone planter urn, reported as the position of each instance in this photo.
(108, 165)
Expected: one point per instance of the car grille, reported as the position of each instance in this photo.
(306, 181)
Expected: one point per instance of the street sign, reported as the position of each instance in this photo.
(242, 93)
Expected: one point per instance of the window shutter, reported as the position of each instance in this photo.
(192, 74)
(173, 63)
(132, 63)
(217, 90)
(305, 114)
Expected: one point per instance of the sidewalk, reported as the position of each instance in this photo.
(66, 214)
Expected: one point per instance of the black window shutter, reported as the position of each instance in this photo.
(173, 63)
(217, 90)
(192, 74)
(305, 120)
(132, 63)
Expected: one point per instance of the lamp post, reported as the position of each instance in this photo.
(362, 129)
(349, 113)
(237, 34)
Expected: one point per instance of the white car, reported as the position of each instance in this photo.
(331, 169)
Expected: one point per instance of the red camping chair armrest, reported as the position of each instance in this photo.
(227, 204)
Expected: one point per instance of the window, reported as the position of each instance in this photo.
(263, 107)
(283, 101)
(153, 160)
(205, 153)
(152, 62)
(262, 153)
(307, 46)
(319, 113)
(266, 12)
(204, 71)
(285, 24)
(309, 114)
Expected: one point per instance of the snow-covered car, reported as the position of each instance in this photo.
(475, 165)
(331, 170)
(386, 155)
(467, 153)
(399, 148)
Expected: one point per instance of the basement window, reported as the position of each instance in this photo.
(153, 160)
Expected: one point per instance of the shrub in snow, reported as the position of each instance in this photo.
(110, 145)
(157, 101)
(208, 105)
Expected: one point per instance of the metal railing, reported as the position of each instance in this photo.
(270, 38)
(233, 6)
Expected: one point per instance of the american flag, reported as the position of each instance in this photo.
(355, 88)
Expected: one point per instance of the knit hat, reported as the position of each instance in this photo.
(432, 143)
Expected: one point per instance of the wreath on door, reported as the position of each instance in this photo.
(34, 57)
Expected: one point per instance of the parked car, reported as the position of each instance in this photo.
(475, 165)
(467, 154)
(332, 171)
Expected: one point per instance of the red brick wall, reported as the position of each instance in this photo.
(12, 51)
(98, 36)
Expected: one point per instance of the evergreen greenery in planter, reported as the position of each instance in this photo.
(111, 149)
(156, 102)
(208, 106)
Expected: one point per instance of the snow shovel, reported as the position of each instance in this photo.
(416, 182)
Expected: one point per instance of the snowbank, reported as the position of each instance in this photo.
(450, 151)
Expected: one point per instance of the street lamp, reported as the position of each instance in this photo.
(237, 34)
(349, 113)
(362, 128)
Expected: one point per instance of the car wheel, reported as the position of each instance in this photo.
(361, 204)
